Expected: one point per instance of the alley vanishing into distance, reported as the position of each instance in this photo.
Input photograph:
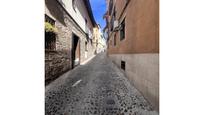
(98, 88)
(123, 38)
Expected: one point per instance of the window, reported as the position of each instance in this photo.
(115, 40)
(50, 37)
(123, 65)
(50, 41)
(85, 21)
(112, 22)
(91, 42)
(113, 19)
(97, 42)
(110, 5)
(86, 46)
(74, 5)
(50, 20)
(122, 30)
(114, 13)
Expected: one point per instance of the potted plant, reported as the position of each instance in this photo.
(50, 28)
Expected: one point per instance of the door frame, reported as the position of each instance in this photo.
(73, 56)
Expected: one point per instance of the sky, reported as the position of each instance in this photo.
(99, 9)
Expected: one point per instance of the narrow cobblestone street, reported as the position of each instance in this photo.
(98, 88)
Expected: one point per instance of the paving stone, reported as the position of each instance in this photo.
(101, 91)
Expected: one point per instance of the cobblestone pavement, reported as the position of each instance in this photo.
(96, 88)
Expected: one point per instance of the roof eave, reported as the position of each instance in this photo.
(88, 7)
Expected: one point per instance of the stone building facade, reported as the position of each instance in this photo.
(73, 39)
(99, 39)
(133, 43)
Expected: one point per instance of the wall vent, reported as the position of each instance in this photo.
(123, 65)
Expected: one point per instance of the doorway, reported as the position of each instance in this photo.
(75, 51)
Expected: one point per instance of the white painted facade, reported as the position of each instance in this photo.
(101, 42)
(79, 13)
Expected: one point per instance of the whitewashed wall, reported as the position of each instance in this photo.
(79, 13)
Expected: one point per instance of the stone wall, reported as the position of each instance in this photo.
(59, 61)
(56, 63)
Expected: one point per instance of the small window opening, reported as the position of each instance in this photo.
(74, 5)
(122, 31)
(86, 46)
(85, 21)
(123, 65)
(115, 40)
(50, 37)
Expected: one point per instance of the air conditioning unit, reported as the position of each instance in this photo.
(115, 25)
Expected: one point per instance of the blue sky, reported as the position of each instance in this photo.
(99, 9)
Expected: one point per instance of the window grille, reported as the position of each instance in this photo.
(50, 37)
(50, 41)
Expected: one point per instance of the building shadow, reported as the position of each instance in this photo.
(56, 10)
